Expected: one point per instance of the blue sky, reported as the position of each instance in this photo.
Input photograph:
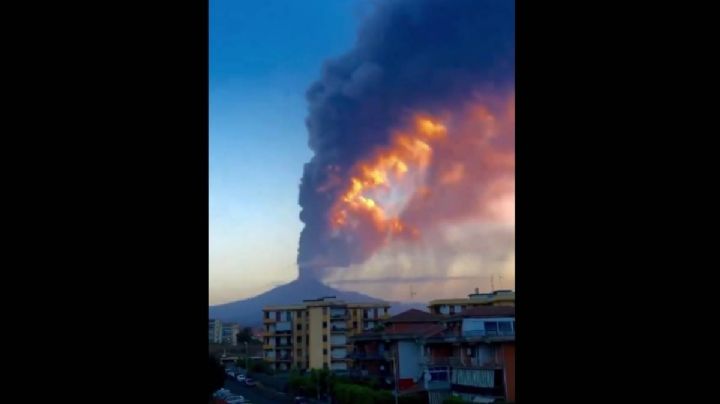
(264, 54)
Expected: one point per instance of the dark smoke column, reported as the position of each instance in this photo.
(409, 54)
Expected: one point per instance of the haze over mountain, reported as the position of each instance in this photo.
(248, 312)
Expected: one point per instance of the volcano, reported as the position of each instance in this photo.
(248, 312)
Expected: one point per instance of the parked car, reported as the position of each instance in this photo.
(240, 377)
(222, 393)
(235, 399)
(250, 382)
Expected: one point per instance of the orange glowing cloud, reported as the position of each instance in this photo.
(372, 178)
(434, 171)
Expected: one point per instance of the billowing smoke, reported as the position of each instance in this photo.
(412, 130)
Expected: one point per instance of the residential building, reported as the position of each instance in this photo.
(314, 334)
(450, 307)
(230, 332)
(214, 331)
(474, 357)
(471, 354)
(395, 350)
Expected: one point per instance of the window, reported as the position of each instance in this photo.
(365, 314)
(354, 324)
(324, 324)
(491, 327)
(299, 314)
(324, 338)
(324, 310)
(505, 327)
(385, 311)
(299, 340)
(299, 327)
(324, 351)
(277, 316)
(267, 314)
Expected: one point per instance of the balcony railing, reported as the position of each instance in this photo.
(437, 385)
(339, 316)
(488, 333)
(455, 361)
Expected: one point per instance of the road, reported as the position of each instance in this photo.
(255, 395)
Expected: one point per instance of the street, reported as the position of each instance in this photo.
(255, 395)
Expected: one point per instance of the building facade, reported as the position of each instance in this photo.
(214, 331)
(470, 355)
(474, 358)
(230, 332)
(396, 350)
(450, 307)
(314, 334)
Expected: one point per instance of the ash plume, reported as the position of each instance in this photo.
(410, 56)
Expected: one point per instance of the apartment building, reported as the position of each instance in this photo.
(474, 358)
(470, 355)
(214, 331)
(395, 351)
(450, 307)
(230, 332)
(314, 334)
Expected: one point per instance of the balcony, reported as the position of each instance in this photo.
(454, 361)
(437, 385)
(287, 358)
(338, 330)
(339, 316)
(268, 321)
(268, 346)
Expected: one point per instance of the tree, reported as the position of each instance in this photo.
(216, 375)
(245, 336)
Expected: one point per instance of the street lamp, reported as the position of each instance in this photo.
(395, 373)
(246, 357)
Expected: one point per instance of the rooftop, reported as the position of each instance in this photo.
(414, 316)
(496, 296)
(487, 311)
(409, 331)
